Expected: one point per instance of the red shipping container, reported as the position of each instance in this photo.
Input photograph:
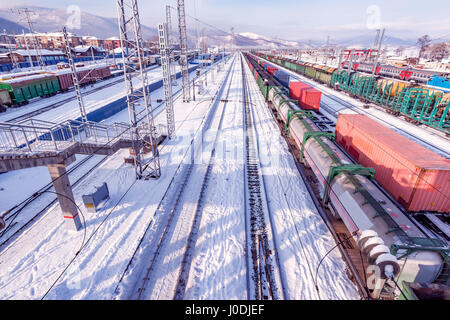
(296, 88)
(416, 177)
(310, 99)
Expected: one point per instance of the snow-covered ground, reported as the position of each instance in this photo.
(39, 256)
(301, 235)
(92, 101)
(120, 245)
(426, 136)
(27, 178)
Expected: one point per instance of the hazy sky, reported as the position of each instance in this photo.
(290, 19)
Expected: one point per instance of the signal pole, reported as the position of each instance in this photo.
(138, 100)
(37, 46)
(378, 51)
(173, 72)
(74, 76)
(165, 65)
(326, 50)
(183, 53)
(12, 57)
(28, 49)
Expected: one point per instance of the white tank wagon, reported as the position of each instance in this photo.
(374, 220)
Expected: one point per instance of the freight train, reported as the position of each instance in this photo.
(24, 86)
(384, 234)
(418, 103)
(437, 79)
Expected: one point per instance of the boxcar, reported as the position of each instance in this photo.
(5, 99)
(22, 89)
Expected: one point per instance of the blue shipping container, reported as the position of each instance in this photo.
(282, 78)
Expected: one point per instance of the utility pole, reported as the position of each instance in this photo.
(183, 51)
(173, 71)
(378, 51)
(74, 76)
(341, 53)
(326, 50)
(12, 57)
(92, 54)
(138, 100)
(374, 45)
(37, 46)
(27, 48)
(165, 65)
(350, 62)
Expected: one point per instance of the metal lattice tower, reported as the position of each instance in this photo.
(37, 45)
(28, 49)
(74, 76)
(165, 64)
(138, 100)
(14, 61)
(378, 51)
(173, 73)
(183, 53)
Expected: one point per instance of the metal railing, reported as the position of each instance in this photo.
(34, 135)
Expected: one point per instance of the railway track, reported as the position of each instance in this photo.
(261, 250)
(356, 109)
(14, 228)
(62, 102)
(169, 208)
(427, 227)
(322, 212)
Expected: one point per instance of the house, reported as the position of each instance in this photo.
(112, 43)
(88, 51)
(47, 40)
(48, 56)
(92, 41)
(8, 57)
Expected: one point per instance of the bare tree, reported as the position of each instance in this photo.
(424, 43)
(439, 51)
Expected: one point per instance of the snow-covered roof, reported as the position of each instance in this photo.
(112, 38)
(29, 77)
(98, 65)
(44, 52)
(86, 48)
(119, 50)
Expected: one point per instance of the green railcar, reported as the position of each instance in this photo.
(310, 72)
(318, 73)
(21, 91)
(326, 76)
